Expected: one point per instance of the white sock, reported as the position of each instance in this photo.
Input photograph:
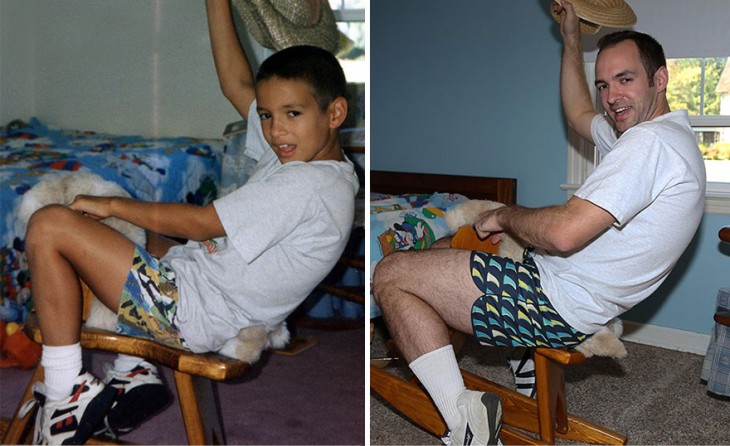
(125, 363)
(61, 365)
(439, 373)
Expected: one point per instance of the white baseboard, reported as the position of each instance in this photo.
(669, 338)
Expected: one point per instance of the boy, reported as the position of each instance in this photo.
(253, 255)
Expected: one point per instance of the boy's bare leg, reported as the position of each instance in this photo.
(63, 246)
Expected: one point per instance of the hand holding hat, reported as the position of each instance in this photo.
(596, 13)
(279, 24)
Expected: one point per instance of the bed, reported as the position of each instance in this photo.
(406, 209)
(179, 169)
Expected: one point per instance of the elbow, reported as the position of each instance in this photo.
(567, 240)
(235, 89)
(564, 244)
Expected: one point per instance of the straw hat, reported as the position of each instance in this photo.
(596, 13)
(279, 24)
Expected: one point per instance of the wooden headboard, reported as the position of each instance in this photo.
(503, 190)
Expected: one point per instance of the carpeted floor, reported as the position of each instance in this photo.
(654, 397)
(314, 397)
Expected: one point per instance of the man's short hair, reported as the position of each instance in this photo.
(318, 67)
(650, 51)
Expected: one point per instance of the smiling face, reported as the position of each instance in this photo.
(294, 125)
(626, 93)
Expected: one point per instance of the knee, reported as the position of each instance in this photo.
(45, 225)
(386, 276)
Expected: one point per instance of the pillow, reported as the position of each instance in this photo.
(403, 222)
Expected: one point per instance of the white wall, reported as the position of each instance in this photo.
(133, 66)
(17, 47)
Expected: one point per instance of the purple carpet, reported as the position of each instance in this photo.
(314, 397)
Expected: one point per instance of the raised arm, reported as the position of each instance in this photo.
(576, 98)
(234, 71)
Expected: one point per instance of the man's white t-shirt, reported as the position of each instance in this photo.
(652, 180)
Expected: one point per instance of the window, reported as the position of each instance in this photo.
(701, 86)
(350, 16)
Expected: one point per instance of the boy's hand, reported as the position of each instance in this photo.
(97, 208)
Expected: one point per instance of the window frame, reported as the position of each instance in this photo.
(583, 156)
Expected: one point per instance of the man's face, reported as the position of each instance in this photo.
(623, 86)
(293, 124)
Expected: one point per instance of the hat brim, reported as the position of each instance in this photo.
(586, 28)
(275, 31)
(613, 13)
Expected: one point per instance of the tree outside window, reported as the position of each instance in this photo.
(702, 87)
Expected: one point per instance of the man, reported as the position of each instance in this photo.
(596, 256)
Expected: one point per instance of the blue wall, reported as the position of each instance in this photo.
(471, 88)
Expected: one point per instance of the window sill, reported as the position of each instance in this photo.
(716, 202)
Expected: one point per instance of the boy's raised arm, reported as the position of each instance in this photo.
(234, 71)
(576, 98)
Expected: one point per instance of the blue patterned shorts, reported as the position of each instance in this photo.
(149, 302)
(514, 312)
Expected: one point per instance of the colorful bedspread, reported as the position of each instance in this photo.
(403, 222)
(161, 169)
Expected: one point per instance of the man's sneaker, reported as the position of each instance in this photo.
(522, 367)
(71, 420)
(140, 394)
(481, 420)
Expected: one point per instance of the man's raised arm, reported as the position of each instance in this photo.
(577, 103)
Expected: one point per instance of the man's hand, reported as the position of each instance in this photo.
(569, 21)
(487, 225)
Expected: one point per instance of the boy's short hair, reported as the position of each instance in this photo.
(318, 67)
(650, 51)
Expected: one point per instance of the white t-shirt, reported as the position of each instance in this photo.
(286, 228)
(652, 180)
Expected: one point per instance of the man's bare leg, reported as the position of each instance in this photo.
(421, 295)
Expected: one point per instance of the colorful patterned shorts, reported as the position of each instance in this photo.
(149, 302)
(514, 312)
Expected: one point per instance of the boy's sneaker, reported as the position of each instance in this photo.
(140, 394)
(71, 420)
(481, 420)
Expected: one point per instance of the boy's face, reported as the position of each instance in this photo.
(294, 125)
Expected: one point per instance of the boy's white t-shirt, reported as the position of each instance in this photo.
(285, 229)
(652, 180)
